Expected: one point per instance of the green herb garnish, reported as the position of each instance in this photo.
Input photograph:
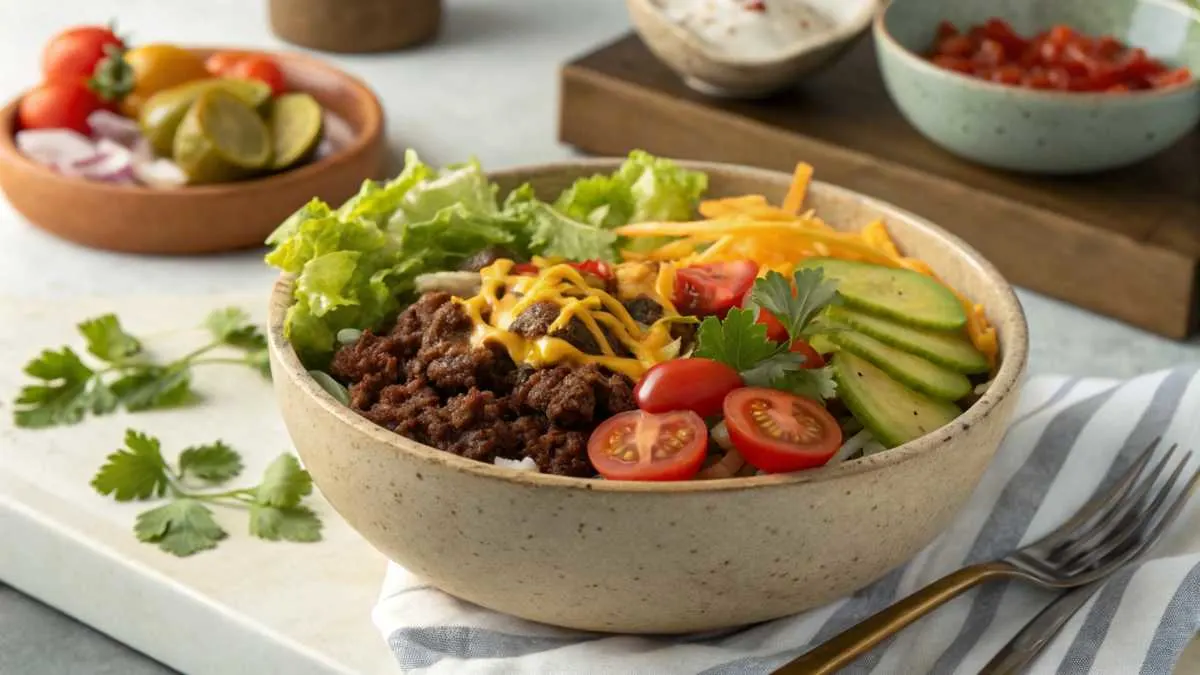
(68, 389)
(185, 525)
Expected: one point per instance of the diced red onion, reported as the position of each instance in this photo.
(55, 147)
(114, 127)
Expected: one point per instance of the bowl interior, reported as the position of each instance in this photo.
(954, 261)
(1166, 29)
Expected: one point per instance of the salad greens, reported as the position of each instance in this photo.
(356, 265)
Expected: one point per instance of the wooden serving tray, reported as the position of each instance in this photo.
(1125, 243)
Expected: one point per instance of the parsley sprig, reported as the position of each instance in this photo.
(739, 341)
(185, 524)
(68, 389)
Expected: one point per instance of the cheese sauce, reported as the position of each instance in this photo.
(504, 296)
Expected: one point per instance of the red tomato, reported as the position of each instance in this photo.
(956, 45)
(1000, 31)
(59, 105)
(1172, 78)
(698, 385)
(1007, 75)
(955, 63)
(812, 358)
(638, 445)
(775, 330)
(596, 268)
(945, 30)
(714, 288)
(73, 54)
(259, 68)
(779, 432)
(220, 63)
(990, 53)
(525, 269)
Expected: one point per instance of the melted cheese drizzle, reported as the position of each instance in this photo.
(503, 297)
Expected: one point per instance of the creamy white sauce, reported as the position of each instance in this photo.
(748, 29)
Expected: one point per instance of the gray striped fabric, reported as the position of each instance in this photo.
(1069, 438)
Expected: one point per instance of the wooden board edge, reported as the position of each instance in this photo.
(1150, 287)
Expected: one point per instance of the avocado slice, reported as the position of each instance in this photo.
(924, 376)
(902, 295)
(951, 349)
(893, 413)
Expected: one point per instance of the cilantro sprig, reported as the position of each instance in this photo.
(185, 524)
(740, 342)
(67, 389)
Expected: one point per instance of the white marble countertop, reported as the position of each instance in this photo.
(487, 88)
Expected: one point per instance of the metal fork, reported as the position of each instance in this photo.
(1111, 529)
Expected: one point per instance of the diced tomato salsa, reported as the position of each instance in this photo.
(1060, 58)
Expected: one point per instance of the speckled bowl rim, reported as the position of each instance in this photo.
(364, 136)
(1014, 351)
(845, 31)
(884, 39)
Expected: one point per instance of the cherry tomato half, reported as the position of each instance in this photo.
(65, 104)
(637, 445)
(597, 268)
(713, 288)
(73, 54)
(699, 385)
(812, 358)
(262, 69)
(779, 432)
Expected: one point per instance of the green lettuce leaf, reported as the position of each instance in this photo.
(553, 234)
(644, 188)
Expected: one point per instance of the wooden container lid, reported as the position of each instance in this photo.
(355, 26)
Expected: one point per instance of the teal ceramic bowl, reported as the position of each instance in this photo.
(1037, 131)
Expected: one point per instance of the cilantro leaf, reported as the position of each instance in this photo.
(63, 399)
(297, 523)
(232, 326)
(137, 471)
(794, 304)
(815, 383)
(155, 387)
(107, 340)
(215, 462)
(283, 484)
(182, 527)
(737, 341)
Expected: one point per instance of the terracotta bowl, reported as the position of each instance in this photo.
(660, 558)
(207, 218)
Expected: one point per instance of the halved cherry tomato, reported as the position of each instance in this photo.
(73, 54)
(220, 63)
(778, 432)
(262, 69)
(637, 445)
(695, 384)
(713, 288)
(812, 358)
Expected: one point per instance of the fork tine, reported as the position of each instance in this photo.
(1099, 501)
(1101, 529)
(1129, 530)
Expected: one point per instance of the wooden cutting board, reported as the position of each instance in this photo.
(1125, 243)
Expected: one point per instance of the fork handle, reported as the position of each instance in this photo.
(837, 652)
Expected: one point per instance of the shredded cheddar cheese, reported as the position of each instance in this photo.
(503, 297)
(778, 238)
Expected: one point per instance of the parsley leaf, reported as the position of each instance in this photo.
(815, 383)
(155, 387)
(215, 462)
(283, 484)
(64, 397)
(766, 372)
(297, 523)
(182, 527)
(231, 326)
(137, 471)
(736, 341)
(795, 304)
(107, 340)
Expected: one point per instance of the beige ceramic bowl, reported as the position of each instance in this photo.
(660, 558)
(711, 72)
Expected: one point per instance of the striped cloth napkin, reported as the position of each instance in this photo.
(1069, 437)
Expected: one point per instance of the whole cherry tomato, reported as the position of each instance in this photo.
(74, 53)
(262, 69)
(695, 384)
(63, 104)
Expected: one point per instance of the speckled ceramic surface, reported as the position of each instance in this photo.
(719, 75)
(1039, 131)
(660, 558)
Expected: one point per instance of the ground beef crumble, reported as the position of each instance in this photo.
(424, 380)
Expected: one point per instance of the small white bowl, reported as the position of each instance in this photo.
(711, 72)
